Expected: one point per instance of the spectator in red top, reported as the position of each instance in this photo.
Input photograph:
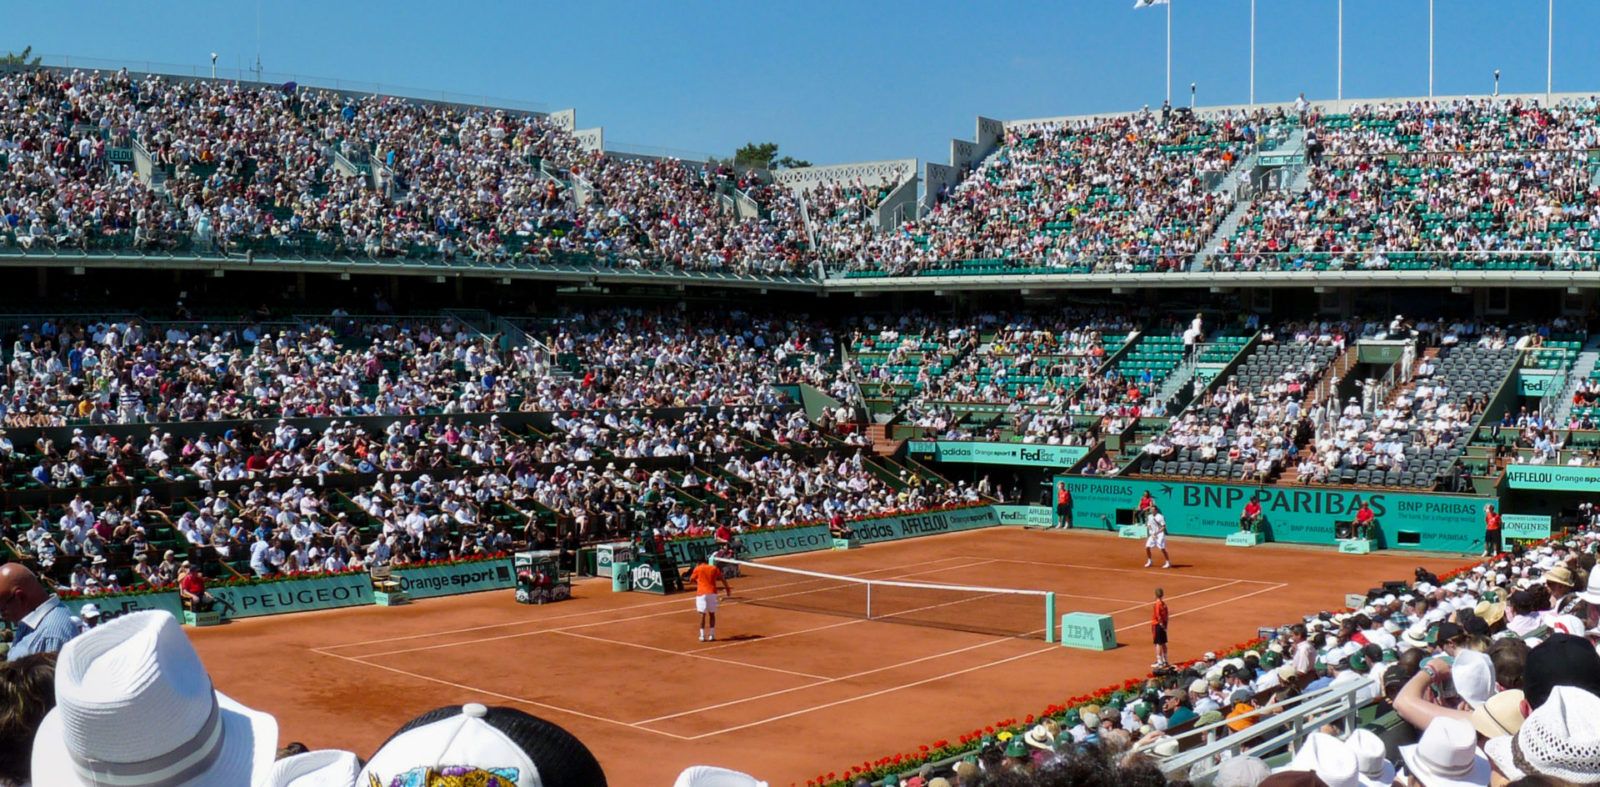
(1251, 519)
(1491, 531)
(1365, 520)
(192, 588)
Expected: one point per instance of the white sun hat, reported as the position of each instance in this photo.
(1447, 755)
(1373, 769)
(1561, 738)
(135, 708)
(1329, 758)
(321, 768)
(709, 776)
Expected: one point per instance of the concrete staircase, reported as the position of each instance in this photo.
(1176, 382)
(1225, 230)
(882, 444)
(1582, 367)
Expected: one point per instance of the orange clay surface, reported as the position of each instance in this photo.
(782, 694)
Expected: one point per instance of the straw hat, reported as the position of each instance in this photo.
(1501, 715)
(134, 706)
(1561, 739)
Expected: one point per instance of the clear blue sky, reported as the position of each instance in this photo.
(836, 82)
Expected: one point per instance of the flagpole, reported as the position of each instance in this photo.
(1253, 52)
(1430, 48)
(1549, 50)
(1169, 51)
(1341, 55)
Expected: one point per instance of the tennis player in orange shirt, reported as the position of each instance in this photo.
(706, 576)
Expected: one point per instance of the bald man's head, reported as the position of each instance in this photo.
(20, 592)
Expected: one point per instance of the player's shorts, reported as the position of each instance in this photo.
(1156, 541)
(706, 603)
(1159, 634)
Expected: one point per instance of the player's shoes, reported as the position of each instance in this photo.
(712, 638)
(702, 636)
(1148, 564)
(1169, 565)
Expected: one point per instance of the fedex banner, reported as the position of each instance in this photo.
(1030, 516)
(451, 579)
(997, 453)
(295, 595)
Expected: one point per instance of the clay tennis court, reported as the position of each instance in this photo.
(785, 694)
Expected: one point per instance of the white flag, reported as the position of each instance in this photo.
(1138, 4)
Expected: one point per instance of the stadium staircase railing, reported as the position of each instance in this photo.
(1278, 728)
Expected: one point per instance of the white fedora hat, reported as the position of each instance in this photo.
(1447, 755)
(135, 707)
(708, 776)
(1561, 738)
(1329, 758)
(1373, 768)
(321, 768)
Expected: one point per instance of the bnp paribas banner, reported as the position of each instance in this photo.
(1553, 478)
(997, 453)
(928, 523)
(449, 579)
(1031, 516)
(1306, 515)
(295, 595)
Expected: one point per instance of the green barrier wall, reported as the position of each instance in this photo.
(1031, 516)
(1302, 515)
(760, 543)
(1023, 454)
(891, 528)
(1540, 383)
(114, 605)
(452, 579)
(1553, 478)
(296, 595)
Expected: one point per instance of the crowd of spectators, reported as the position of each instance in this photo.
(1109, 194)
(1480, 180)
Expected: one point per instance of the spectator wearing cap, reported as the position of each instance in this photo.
(1175, 706)
(43, 623)
(1561, 660)
(474, 744)
(88, 617)
(1428, 695)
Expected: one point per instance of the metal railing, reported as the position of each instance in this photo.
(1279, 726)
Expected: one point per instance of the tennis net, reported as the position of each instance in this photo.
(1005, 612)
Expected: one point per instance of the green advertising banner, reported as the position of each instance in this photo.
(115, 605)
(890, 528)
(1553, 478)
(757, 543)
(295, 595)
(997, 453)
(1533, 382)
(1527, 526)
(1306, 515)
(452, 579)
(1031, 516)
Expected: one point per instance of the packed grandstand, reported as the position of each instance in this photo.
(152, 432)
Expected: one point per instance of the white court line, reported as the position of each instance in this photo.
(506, 697)
(585, 613)
(913, 684)
(878, 693)
(676, 610)
(1151, 571)
(1278, 586)
(852, 675)
(672, 652)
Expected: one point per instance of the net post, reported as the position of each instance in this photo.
(869, 601)
(1050, 617)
